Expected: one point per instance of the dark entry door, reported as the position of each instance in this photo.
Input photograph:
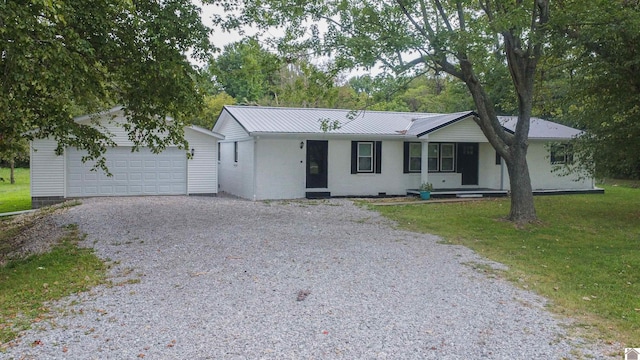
(317, 151)
(468, 163)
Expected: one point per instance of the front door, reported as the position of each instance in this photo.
(317, 151)
(468, 163)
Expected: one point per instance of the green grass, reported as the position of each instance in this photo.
(583, 255)
(27, 285)
(15, 197)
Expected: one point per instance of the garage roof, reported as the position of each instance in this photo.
(118, 109)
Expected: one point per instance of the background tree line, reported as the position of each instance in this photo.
(570, 61)
(248, 73)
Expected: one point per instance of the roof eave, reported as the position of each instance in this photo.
(331, 134)
(111, 111)
(206, 132)
(552, 138)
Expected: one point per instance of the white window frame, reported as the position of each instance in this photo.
(452, 157)
(431, 156)
(439, 157)
(419, 146)
(370, 156)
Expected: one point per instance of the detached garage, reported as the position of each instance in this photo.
(55, 178)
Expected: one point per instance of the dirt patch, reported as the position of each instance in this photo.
(31, 233)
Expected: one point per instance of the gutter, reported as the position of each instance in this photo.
(501, 174)
(329, 135)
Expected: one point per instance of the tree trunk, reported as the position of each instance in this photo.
(512, 147)
(12, 164)
(522, 206)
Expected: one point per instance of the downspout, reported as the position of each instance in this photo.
(424, 166)
(64, 173)
(501, 174)
(255, 167)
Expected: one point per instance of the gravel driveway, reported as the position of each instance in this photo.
(220, 278)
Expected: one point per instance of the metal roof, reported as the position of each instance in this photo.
(206, 131)
(541, 129)
(260, 119)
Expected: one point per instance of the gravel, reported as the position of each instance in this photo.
(221, 278)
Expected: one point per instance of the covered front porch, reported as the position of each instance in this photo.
(462, 193)
(486, 192)
(460, 168)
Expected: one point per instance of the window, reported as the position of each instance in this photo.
(447, 162)
(235, 151)
(415, 157)
(218, 151)
(442, 157)
(434, 156)
(412, 157)
(561, 154)
(366, 157)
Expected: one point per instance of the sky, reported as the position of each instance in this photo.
(220, 38)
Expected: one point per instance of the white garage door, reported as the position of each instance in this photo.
(137, 173)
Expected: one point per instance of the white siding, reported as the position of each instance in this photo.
(463, 131)
(237, 178)
(280, 169)
(445, 180)
(489, 172)
(391, 181)
(47, 169)
(229, 127)
(542, 177)
(203, 166)
(112, 124)
(49, 172)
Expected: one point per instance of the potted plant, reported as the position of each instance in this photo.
(425, 190)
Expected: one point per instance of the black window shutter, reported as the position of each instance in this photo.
(354, 157)
(569, 153)
(378, 155)
(405, 163)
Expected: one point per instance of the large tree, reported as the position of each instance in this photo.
(470, 40)
(245, 70)
(62, 58)
(599, 52)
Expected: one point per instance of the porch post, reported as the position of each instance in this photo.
(424, 165)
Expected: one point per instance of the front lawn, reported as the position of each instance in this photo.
(584, 255)
(30, 281)
(15, 197)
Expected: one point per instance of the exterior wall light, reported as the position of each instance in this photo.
(301, 144)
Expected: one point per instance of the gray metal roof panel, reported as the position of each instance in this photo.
(260, 119)
(206, 131)
(541, 129)
(256, 119)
